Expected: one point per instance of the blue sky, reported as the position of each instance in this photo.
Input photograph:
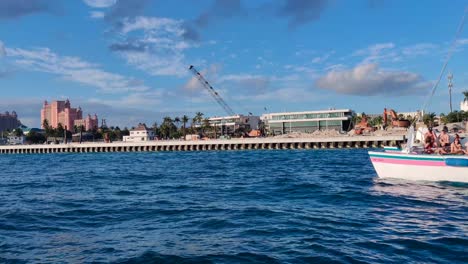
(128, 61)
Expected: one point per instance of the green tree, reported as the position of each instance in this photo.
(35, 138)
(429, 119)
(197, 120)
(167, 127)
(117, 134)
(454, 116)
(156, 130)
(443, 118)
(125, 132)
(377, 121)
(60, 130)
(177, 121)
(205, 126)
(18, 132)
(49, 131)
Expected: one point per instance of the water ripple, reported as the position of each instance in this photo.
(314, 206)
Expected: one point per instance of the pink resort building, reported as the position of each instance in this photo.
(60, 112)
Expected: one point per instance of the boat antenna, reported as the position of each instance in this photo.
(447, 58)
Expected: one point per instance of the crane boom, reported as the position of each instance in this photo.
(212, 91)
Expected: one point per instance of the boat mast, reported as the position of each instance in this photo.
(447, 58)
(450, 85)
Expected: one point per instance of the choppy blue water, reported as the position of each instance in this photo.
(315, 206)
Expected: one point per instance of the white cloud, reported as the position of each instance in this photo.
(100, 3)
(337, 66)
(462, 42)
(303, 70)
(323, 58)
(73, 69)
(96, 14)
(375, 49)
(389, 52)
(156, 45)
(155, 25)
(252, 84)
(418, 49)
(368, 79)
(141, 100)
(288, 95)
(378, 52)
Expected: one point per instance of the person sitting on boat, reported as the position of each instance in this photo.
(444, 142)
(456, 147)
(429, 141)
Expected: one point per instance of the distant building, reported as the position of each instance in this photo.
(60, 112)
(9, 121)
(139, 134)
(307, 121)
(15, 140)
(88, 123)
(227, 125)
(82, 137)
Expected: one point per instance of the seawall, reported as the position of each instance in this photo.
(204, 145)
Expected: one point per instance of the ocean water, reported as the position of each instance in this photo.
(310, 206)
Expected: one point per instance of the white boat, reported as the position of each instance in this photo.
(411, 163)
(420, 167)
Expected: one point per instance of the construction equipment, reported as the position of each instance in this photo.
(212, 91)
(396, 122)
(363, 126)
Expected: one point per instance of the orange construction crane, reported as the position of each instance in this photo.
(396, 122)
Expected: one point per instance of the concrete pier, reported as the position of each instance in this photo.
(209, 145)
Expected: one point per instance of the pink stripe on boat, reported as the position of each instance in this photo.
(409, 162)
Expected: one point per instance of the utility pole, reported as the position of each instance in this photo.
(103, 123)
(65, 135)
(450, 86)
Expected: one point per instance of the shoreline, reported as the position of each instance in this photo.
(212, 144)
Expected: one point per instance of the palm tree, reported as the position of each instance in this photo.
(18, 132)
(48, 130)
(177, 121)
(185, 119)
(428, 119)
(376, 121)
(198, 118)
(165, 126)
(155, 129)
(443, 118)
(45, 123)
(205, 125)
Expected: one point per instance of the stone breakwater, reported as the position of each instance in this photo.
(205, 145)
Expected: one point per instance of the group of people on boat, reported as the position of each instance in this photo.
(441, 144)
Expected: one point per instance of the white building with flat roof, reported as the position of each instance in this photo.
(227, 125)
(307, 121)
(139, 134)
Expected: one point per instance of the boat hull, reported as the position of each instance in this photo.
(420, 167)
